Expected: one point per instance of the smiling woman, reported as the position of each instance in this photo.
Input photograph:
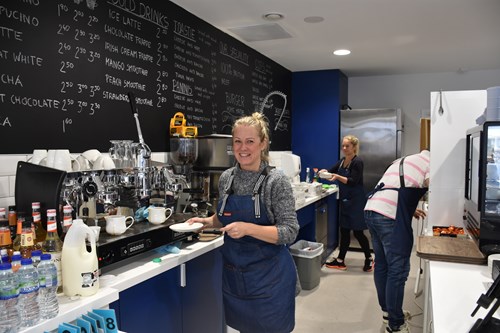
(256, 212)
(250, 142)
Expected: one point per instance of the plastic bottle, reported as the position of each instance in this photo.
(4, 256)
(308, 175)
(36, 257)
(16, 262)
(53, 244)
(47, 294)
(9, 296)
(79, 266)
(29, 311)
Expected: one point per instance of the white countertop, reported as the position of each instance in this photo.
(455, 288)
(121, 278)
(128, 274)
(312, 199)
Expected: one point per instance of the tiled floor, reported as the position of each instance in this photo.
(346, 301)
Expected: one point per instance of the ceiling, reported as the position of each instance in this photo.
(386, 37)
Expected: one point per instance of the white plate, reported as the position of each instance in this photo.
(186, 227)
(325, 175)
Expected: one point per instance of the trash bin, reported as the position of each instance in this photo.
(307, 257)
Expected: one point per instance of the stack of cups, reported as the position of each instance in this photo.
(493, 103)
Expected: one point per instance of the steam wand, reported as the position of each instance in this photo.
(143, 152)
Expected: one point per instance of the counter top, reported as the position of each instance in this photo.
(455, 288)
(140, 268)
(123, 277)
(312, 199)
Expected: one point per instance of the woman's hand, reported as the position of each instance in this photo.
(236, 229)
(206, 221)
(419, 213)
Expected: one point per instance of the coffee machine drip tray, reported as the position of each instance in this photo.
(140, 237)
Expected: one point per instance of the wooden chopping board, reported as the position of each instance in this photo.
(449, 249)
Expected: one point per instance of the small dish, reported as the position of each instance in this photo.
(325, 175)
(186, 227)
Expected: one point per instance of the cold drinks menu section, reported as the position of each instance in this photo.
(67, 66)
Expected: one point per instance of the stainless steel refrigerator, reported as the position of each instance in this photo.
(380, 133)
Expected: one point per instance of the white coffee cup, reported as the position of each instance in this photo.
(107, 162)
(82, 165)
(91, 154)
(38, 156)
(117, 224)
(63, 160)
(158, 215)
(49, 160)
(103, 162)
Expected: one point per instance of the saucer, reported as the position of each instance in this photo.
(186, 227)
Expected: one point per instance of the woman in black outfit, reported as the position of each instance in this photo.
(348, 173)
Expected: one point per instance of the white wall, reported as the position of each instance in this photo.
(411, 93)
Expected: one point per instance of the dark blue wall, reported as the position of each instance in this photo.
(317, 98)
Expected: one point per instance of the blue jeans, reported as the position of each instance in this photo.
(391, 269)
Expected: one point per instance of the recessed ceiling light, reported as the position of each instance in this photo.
(273, 16)
(341, 52)
(313, 19)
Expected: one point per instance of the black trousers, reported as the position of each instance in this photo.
(345, 241)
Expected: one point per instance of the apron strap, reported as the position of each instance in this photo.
(257, 189)
(380, 187)
(401, 174)
(228, 190)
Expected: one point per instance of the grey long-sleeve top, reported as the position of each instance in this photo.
(278, 198)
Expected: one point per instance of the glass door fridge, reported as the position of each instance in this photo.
(482, 186)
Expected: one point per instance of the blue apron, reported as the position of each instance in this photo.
(259, 278)
(408, 197)
(352, 203)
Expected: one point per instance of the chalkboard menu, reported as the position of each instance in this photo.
(67, 67)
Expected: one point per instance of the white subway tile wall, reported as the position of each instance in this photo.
(8, 166)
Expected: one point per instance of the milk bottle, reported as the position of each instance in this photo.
(79, 266)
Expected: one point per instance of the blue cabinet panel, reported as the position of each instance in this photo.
(202, 297)
(160, 304)
(151, 306)
(307, 223)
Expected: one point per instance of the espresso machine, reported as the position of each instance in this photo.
(215, 154)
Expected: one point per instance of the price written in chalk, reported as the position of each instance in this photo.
(65, 123)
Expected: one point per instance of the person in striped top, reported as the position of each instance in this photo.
(388, 214)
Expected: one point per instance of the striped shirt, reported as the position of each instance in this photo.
(416, 171)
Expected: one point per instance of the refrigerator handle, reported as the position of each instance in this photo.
(399, 143)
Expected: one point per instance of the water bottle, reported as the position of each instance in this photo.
(27, 305)
(16, 262)
(9, 295)
(47, 294)
(35, 257)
